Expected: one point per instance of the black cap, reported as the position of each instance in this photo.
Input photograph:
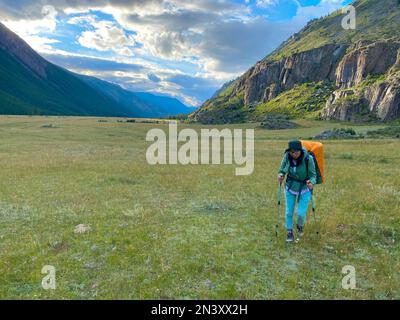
(295, 145)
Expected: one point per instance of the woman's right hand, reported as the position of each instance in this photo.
(280, 178)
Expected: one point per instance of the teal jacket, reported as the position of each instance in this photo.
(298, 171)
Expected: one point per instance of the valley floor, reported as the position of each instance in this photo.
(200, 232)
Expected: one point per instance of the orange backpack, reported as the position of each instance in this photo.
(316, 150)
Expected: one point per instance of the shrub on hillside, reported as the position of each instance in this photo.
(276, 121)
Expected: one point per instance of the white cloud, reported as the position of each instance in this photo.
(167, 45)
(221, 46)
(40, 44)
(105, 36)
(47, 23)
(336, 2)
(266, 3)
(28, 29)
(325, 7)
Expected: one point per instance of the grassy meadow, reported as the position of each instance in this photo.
(188, 232)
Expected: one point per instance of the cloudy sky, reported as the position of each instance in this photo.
(181, 48)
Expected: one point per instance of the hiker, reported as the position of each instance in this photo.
(301, 173)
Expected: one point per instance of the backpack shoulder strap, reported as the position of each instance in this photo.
(286, 154)
(306, 159)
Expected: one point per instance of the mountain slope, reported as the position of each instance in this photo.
(375, 20)
(146, 104)
(123, 97)
(322, 55)
(31, 85)
(168, 105)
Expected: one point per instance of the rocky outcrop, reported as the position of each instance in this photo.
(358, 98)
(342, 105)
(341, 133)
(367, 59)
(378, 101)
(266, 80)
(384, 99)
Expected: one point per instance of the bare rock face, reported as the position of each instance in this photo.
(396, 66)
(366, 59)
(340, 106)
(266, 80)
(384, 99)
(379, 99)
(14, 45)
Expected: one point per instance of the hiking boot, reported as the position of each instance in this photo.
(290, 236)
(300, 231)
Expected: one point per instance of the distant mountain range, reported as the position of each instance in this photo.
(30, 85)
(145, 104)
(324, 71)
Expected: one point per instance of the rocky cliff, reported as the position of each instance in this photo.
(358, 69)
(368, 84)
(266, 80)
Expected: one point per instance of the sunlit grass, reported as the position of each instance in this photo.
(188, 231)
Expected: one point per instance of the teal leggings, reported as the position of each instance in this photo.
(302, 208)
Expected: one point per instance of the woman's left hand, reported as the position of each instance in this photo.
(310, 185)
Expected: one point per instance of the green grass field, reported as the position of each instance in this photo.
(188, 232)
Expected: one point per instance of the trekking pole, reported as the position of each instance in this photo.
(279, 205)
(313, 207)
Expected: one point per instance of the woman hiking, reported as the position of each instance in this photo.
(299, 167)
